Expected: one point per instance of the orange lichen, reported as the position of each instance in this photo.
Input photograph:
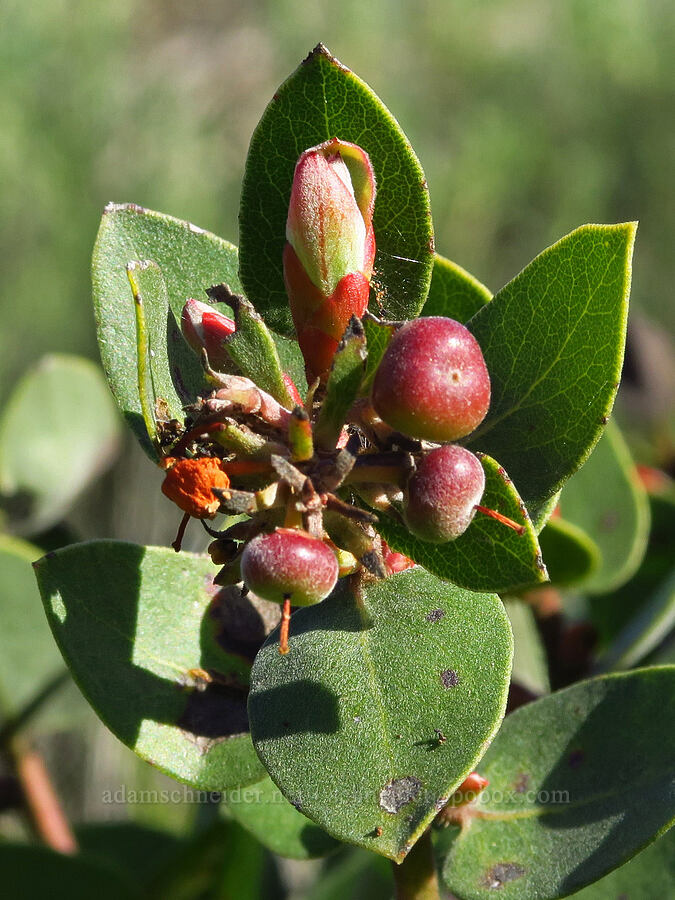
(190, 482)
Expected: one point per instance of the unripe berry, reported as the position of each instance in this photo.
(432, 382)
(289, 564)
(443, 493)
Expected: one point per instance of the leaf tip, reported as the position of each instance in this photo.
(113, 207)
(319, 50)
(322, 52)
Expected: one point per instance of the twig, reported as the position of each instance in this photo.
(415, 877)
(42, 801)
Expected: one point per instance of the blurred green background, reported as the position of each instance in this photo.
(530, 117)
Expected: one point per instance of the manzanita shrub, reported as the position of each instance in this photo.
(375, 444)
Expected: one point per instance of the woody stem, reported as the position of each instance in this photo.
(415, 878)
(41, 799)
(381, 468)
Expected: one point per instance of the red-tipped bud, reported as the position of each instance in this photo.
(395, 562)
(204, 328)
(328, 258)
(293, 392)
(473, 783)
(469, 790)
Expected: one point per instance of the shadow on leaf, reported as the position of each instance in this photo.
(299, 707)
(131, 623)
(611, 774)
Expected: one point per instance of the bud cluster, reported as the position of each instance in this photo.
(297, 481)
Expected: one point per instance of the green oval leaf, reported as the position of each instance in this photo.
(606, 499)
(454, 292)
(364, 737)
(58, 431)
(530, 666)
(489, 555)
(649, 628)
(190, 259)
(649, 874)
(578, 784)
(610, 613)
(323, 99)
(266, 814)
(553, 341)
(571, 556)
(136, 626)
(29, 659)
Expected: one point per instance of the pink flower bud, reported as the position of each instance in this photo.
(328, 258)
(205, 328)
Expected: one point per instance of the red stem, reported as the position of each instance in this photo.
(500, 518)
(180, 534)
(285, 625)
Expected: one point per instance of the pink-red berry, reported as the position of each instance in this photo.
(432, 382)
(443, 492)
(289, 564)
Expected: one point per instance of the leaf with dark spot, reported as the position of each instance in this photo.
(399, 792)
(435, 615)
(344, 721)
(450, 678)
(501, 873)
(598, 759)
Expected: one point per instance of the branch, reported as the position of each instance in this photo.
(41, 799)
(415, 877)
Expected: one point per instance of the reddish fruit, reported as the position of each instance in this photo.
(443, 492)
(289, 564)
(432, 382)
